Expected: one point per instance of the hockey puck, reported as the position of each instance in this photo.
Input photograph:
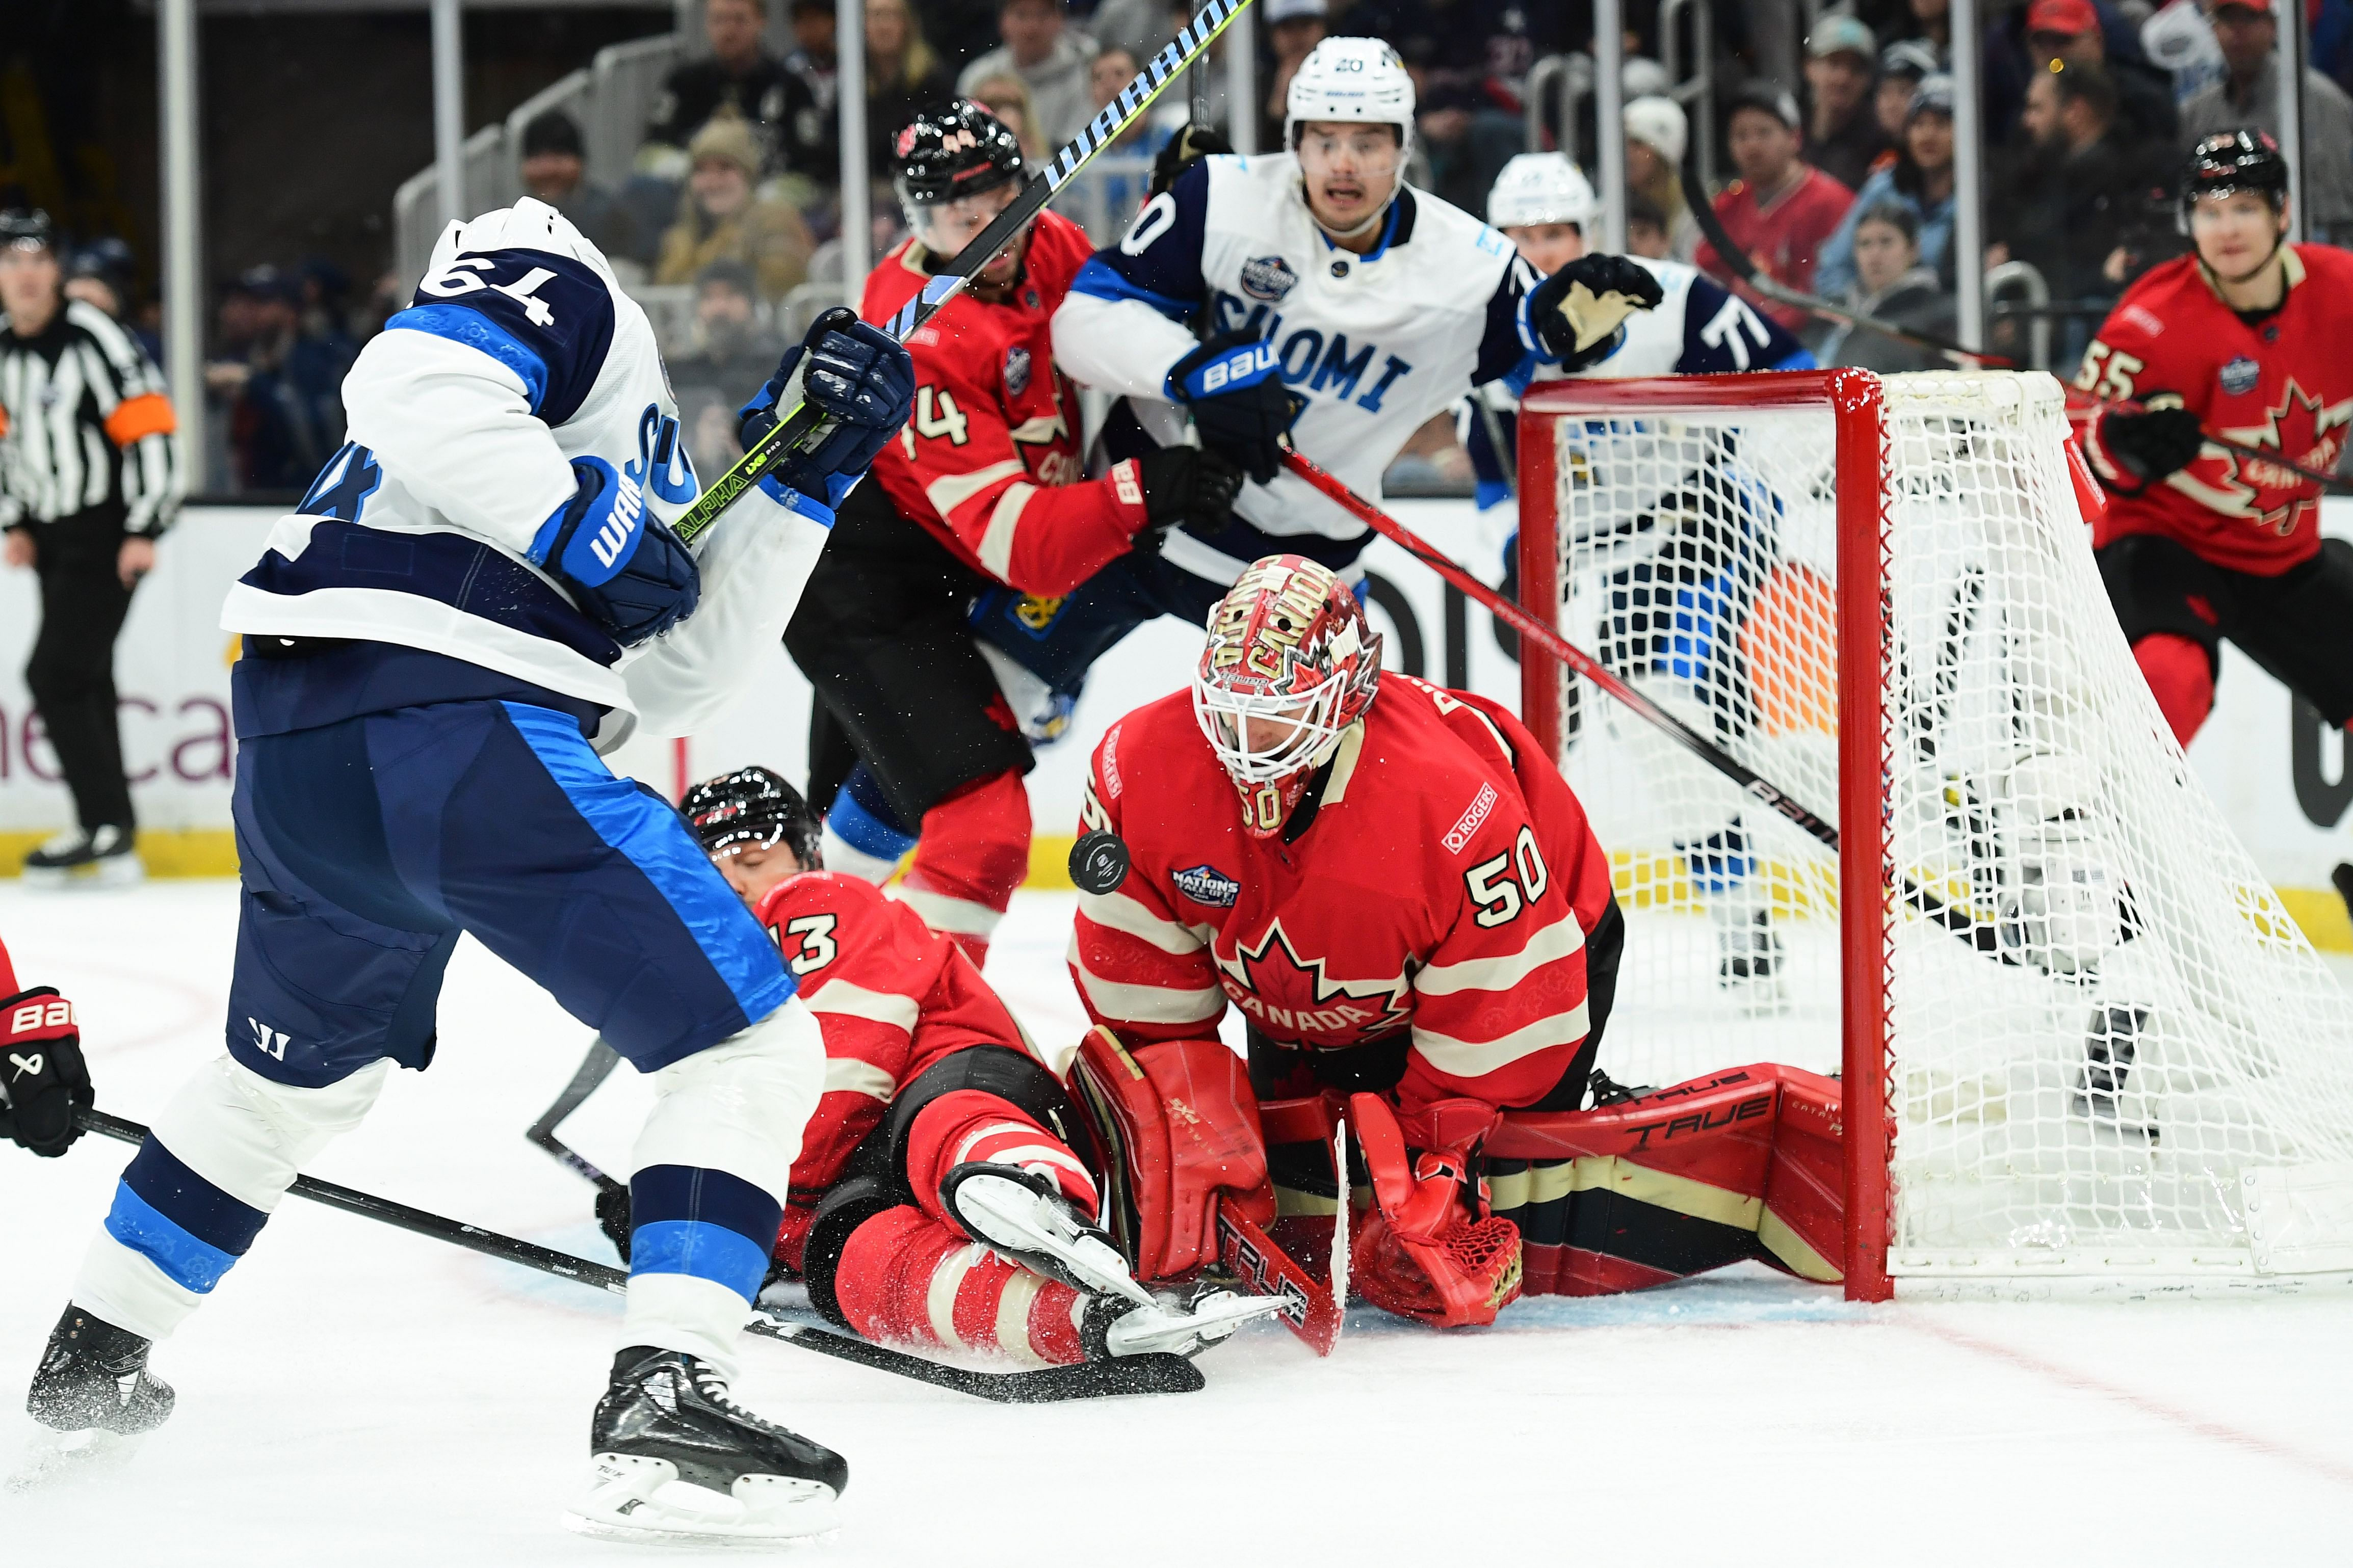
(1098, 862)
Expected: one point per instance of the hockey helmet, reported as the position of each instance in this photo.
(1541, 187)
(2232, 161)
(1358, 80)
(948, 153)
(754, 806)
(27, 228)
(1291, 663)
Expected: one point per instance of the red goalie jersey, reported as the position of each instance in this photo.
(990, 463)
(2284, 383)
(1442, 890)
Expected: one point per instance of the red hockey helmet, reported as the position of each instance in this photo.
(1292, 663)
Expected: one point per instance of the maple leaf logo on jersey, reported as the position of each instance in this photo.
(1268, 980)
(2271, 495)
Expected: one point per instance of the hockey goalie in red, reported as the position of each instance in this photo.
(936, 1198)
(2252, 338)
(1413, 916)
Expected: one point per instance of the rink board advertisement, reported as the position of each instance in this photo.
(2280, 776)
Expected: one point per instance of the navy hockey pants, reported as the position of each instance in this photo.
(366, 847)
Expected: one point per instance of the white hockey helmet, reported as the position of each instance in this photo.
(1352, 79)
(1542, 187)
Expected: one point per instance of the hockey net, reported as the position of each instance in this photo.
(2081, 1036)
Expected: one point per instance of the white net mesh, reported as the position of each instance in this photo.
(2112, 1051)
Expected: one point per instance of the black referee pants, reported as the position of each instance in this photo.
(71, 675)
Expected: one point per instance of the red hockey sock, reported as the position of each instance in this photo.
(907, 1277)
(975, 850)
(972, 1124)
(2178, 672)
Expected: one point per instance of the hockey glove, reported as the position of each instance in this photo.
(1578, 312)
(1187, 148)
(1432, 1251)
(858, 376)
(43, 1079)
(1240, 404)
(628, 572)
(2152, 445)
(1185, 487)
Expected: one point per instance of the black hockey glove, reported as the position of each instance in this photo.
(1187, 148)
(858, 373)
(1578, 312)
(612, 1217)
(1239, 406)
(1185, 487)
(626, 569)
(2152, 445)
(43, 1079)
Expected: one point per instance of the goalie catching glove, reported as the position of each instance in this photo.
(43, 1079)
(1433, 1251)
(1578, 312)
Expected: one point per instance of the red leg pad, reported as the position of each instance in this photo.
(2179, 673)
(974, 851)
(907, 1278)
(972, 1125)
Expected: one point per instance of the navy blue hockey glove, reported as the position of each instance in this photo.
(43, 1079)
(627, 570)
(1577, 313)
(2153, 445)
(860, 375)
(1234, 387)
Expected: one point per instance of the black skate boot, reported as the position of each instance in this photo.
(2109, 1046)
(105, 856)
(93, 1377)
(676, 1460)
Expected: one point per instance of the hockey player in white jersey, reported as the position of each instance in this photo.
(1310, 295)
(480, 590)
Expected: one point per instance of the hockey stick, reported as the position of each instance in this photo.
(1155, 1373)
(1704, 213)
(1984, 936)
(1255, 1257)
(803, 424)
(594, 1069)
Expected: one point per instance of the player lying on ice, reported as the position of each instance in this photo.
(482, 590)
(1415, 919)
(937, 1197)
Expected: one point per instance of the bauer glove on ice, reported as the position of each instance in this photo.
(2150, 446)
(43, 1079)
(628, 572)
(1239, 406)
(1185, 487)
(1579, 312)
(857, 374)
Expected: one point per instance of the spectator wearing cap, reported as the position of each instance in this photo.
(1293, 28)
(281, 384)
(1903, 67)
(1780, 210)
(739, 79)
(1843, 135)
(88, 482)
(903, 77)
(105, 274)
(1657, 132)
(2249, 95)
(1049, 58)
(1919, 180)
(2023, 45)
(554, 170)
(721, 216)
(1894, 282)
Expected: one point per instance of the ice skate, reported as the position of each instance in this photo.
(2109, 1047)
(1024, 1217)
(677, 1460)
(103, 856)
(1116, 1326)
(94, 1394)
(1748, 955)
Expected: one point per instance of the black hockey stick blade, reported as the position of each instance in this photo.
(1086, 1382)
(594, 1069)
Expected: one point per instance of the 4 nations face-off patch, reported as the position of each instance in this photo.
(1208, 885)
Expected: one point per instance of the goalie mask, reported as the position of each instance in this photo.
(752, 807)
(1291, 663)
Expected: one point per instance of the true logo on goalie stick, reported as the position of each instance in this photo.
(1208, 885)
(1268, 278)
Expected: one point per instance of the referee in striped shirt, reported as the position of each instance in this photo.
(88, 480)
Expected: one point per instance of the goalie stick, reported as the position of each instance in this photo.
(1982, 935)
(1155, 1373)
(802, 423)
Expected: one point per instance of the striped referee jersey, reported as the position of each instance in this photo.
(84, 422)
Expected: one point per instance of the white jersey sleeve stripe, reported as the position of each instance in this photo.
(1554, 942)
(950, 491)
(846, 1075)
(1475, 1059)
(856, 1002)
(1146, 1003)
(1117, 912)
(997, 543)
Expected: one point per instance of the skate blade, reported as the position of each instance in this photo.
(120, 872)
(642, 1500)
(1003, 1219)
(54, 1458)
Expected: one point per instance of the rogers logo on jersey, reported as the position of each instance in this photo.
(1268, 278)
(1468, 823)
(1206, 885)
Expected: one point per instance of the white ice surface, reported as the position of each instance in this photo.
(353, 1395)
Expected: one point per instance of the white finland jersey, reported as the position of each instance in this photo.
(520, 354)
(1377, 343)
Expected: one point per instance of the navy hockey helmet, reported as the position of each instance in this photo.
(2232, 161)
(752, 807)
(946, 154)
